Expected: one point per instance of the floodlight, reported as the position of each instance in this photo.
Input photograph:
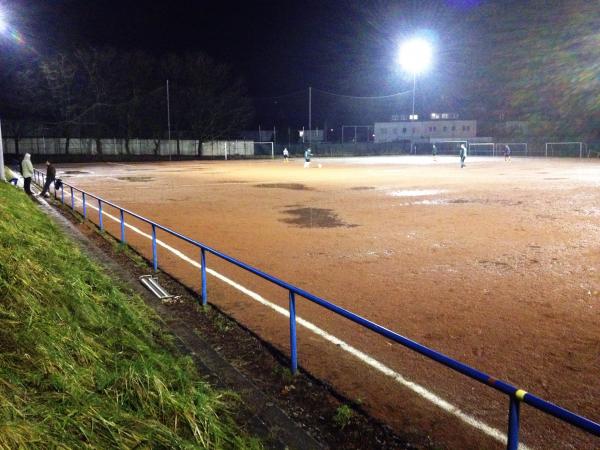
(3, 24)
(415, 55)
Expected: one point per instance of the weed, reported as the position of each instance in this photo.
(222, 324)
(284, 373)
(343, 416)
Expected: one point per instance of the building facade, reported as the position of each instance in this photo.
(425, 130)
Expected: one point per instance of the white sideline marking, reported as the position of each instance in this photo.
(415, 387)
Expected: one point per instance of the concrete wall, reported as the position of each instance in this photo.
(109, 147)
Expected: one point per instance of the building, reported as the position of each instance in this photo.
(425, 130)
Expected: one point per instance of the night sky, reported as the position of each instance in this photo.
(344, 46)
(277, 46)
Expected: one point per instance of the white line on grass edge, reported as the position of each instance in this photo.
(417, 388)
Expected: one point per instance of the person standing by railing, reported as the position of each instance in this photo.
(27, 171)
(50, 176)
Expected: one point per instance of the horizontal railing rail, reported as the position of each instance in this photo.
(516, 395)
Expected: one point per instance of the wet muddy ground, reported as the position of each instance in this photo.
(495, 265)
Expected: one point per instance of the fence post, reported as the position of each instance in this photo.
(84, 208)
(293, 346)
(100, 222)
(203, 269)
(513, 423)
(154, 254)
(62, 194)
(122, 226)
(72, 199)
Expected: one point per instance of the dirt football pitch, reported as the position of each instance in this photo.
(496, 265)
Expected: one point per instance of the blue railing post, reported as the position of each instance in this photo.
(122, 226)
(293, 341)
(203, 269)
(100, 221)
(62, 194)
(154, 254)
(72, 199)
(84, 208)
(513, 423)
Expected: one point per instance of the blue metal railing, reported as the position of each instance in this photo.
(516, 395)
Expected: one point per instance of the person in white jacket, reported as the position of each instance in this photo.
(27, 170)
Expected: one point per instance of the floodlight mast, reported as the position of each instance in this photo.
(415, 58)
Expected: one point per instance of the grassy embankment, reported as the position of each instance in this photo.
(83, 362)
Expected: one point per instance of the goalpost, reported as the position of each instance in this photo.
(264, 148)
(448, 147)
(572, 149)
(516, 148)
(481, 148)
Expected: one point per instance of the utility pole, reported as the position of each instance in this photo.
(414, 89)
(169, 119)
(309, 115)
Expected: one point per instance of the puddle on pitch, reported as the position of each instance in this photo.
(314, 218)
(292, 186)
(76, 172)
(136, 179)
(416, 192)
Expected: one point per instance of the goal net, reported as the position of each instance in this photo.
(565, 149)
(265, 149)
(481, 149)
(516, 148)
(442, 147)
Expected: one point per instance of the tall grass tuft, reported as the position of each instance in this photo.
(83, 362)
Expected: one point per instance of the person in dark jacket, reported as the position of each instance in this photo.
(50, 176)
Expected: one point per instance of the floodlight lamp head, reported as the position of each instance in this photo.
(415, 55)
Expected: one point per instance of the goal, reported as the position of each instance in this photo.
(264, 149)
(516, 148)
(565, 149)
(444, 147)
(481, 149)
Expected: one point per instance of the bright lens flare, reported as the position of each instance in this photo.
(415, 55)
(3, 24)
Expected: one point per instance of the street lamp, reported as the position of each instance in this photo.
(415, 58)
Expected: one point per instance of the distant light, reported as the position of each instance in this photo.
(415, 55)
(3, 24)
(413, 117)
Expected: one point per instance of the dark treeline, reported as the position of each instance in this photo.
(104, 92)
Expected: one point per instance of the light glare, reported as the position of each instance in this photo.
(3, 24)
(415, 55)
